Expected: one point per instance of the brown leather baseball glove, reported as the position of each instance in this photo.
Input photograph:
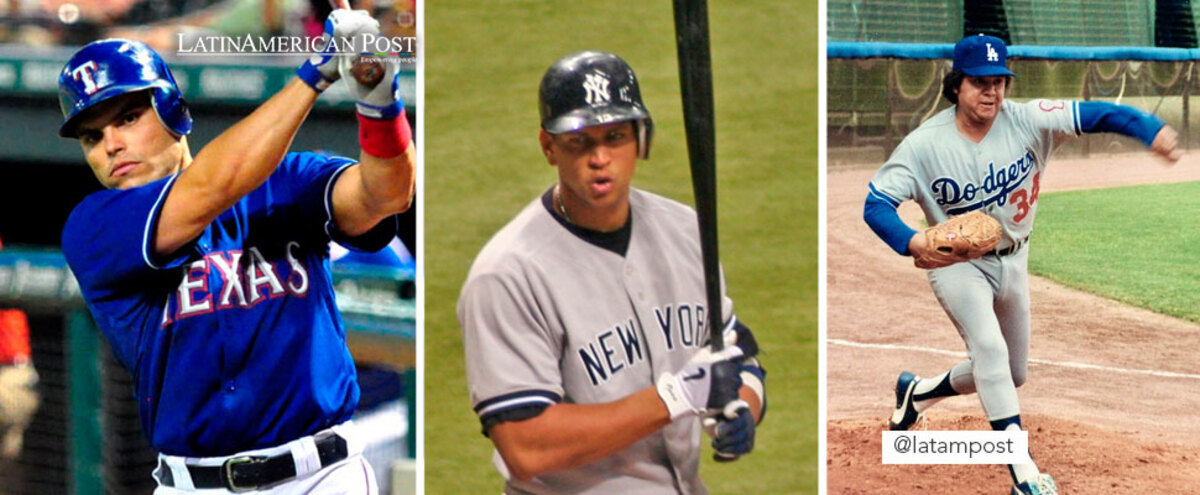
(961, 238)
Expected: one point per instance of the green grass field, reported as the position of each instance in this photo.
(484, 60)
(1132, 244)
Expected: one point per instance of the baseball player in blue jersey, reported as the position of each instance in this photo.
(209, 275)
(986, 154)
(583, 318)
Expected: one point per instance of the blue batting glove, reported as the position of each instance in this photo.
(321, 69)
(732, 433)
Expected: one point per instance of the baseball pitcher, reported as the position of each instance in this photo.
(976, 167)
(209, 275)
(583, 318)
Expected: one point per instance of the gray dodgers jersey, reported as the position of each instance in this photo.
(949, 175)
(548, 317)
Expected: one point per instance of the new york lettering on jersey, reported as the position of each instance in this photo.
(620, 345)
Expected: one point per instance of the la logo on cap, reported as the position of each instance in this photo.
(992, 56)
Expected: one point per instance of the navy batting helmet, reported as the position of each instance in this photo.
(108, 68)
(591, 88)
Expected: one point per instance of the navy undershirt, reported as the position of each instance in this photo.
(616, 241)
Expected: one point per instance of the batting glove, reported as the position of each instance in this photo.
(704, 386)
(737, 334)
(321, 69)
(732, 433)
(381, 101)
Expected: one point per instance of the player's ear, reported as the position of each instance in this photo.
(546, 140)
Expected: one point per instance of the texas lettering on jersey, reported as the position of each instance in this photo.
(619, 346)
(995, 187)
(247, 278)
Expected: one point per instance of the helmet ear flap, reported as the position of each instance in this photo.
(645, 134)
(172, 111)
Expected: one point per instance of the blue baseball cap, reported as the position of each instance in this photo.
(981, 56)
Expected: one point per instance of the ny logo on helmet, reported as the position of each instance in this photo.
(992, 56)
(596, 85)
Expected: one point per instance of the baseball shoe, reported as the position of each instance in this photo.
(905, 414)
(1043, 484)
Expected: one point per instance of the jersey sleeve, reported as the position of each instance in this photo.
(896, 180)
(1101, 116)
(880, 214)
(124, 222)
(306, 180)
(1054, 119)
(512, 358)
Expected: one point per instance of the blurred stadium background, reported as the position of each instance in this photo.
(85, 437)
(887, 59)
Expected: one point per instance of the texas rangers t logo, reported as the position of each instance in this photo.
(84, 72)
(992, 56)
(596, 85)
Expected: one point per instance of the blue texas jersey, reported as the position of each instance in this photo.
(234, 341)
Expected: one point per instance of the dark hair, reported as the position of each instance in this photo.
(953, 81)
(950, 83)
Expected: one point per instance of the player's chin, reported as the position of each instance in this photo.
(130, 181)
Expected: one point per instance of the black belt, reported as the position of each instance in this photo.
(1011, 249)
(251, 472)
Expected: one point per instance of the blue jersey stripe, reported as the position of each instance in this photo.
(151, 222)
(883, 196)
(329, 198)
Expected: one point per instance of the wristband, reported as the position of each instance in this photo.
(312, 77)
(384, 138)
(755, 385)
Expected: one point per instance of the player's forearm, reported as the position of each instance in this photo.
(382, 187)
(389, 181)
(1099, 116)
(883, 219)
(243, 156)
(233, 164)
(382, 183)
(565, 436)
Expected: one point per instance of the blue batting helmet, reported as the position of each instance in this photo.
(108, 68)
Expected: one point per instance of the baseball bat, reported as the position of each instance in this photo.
(695, 80)
(366, 72)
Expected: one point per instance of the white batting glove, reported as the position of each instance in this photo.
(704, 386)
(321, 69)
(381, 101)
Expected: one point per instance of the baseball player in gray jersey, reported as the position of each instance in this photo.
(988, 154)
(583, 318)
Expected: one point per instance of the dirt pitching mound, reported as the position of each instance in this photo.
(1086, 459)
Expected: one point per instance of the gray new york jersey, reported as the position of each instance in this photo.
(949, 175)
(548, 317)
